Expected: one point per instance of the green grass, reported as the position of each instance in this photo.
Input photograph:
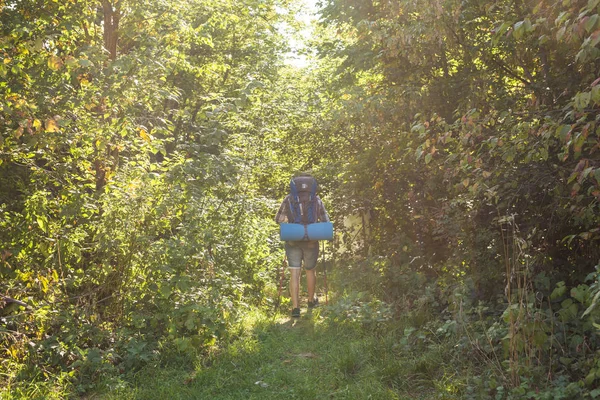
(309, 358)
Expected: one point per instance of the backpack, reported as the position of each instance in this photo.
(303, 200)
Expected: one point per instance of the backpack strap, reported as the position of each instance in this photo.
(312, 203)
(295, 203)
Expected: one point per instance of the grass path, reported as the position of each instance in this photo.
(312, 357)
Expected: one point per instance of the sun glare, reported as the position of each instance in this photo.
(308, 13)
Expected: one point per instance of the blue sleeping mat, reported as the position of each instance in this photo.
(316, 231)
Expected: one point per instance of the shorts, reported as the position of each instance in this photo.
(297, 252)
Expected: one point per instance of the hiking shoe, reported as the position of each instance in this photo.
(314, 303)
(296, 313)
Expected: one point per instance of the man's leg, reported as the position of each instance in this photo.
(311, 280)
(295, 286)
(294, 256)
(311, 255)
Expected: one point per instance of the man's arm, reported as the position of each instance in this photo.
(323, 216)
(282, 214)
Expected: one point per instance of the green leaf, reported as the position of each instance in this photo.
(591, 22)
(518, 30)
(85, 62)
(521, 27)
(539, 338)
(568, 311)
(595, 94)
(559, 291)
(566, 360)
(503, 28)
(591, 377)
(594, 38)
(562, 131)
(597, 175)
(165, 290)
(562, 17)
(509, 155)
(42, 223)
(418, 154)
(190, 322)
(580, 293)
(254, 84)
(582, 100)
(592, 306)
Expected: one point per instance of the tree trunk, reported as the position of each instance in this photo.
(112, 16)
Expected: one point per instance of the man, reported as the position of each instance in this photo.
(306, 207)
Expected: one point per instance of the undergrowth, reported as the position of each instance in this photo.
(433, 342)
(540, 341)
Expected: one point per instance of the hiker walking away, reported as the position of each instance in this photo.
(302, 206)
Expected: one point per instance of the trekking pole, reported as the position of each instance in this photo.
(281, 280)
(325, 276)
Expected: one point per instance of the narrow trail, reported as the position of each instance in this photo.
(313, 357)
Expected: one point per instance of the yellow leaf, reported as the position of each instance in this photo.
(54, 63)
(144, 135)
(7, 60)
(83, 81)
(466, 182)
(486, 174)
(100, 145)
(37, 124)
(44, 283)
(51, 125)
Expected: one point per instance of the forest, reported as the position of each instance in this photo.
(146, 145)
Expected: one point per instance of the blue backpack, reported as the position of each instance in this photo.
(304, 212)
(303, 200)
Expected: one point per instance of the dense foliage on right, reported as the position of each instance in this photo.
(464, 135)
